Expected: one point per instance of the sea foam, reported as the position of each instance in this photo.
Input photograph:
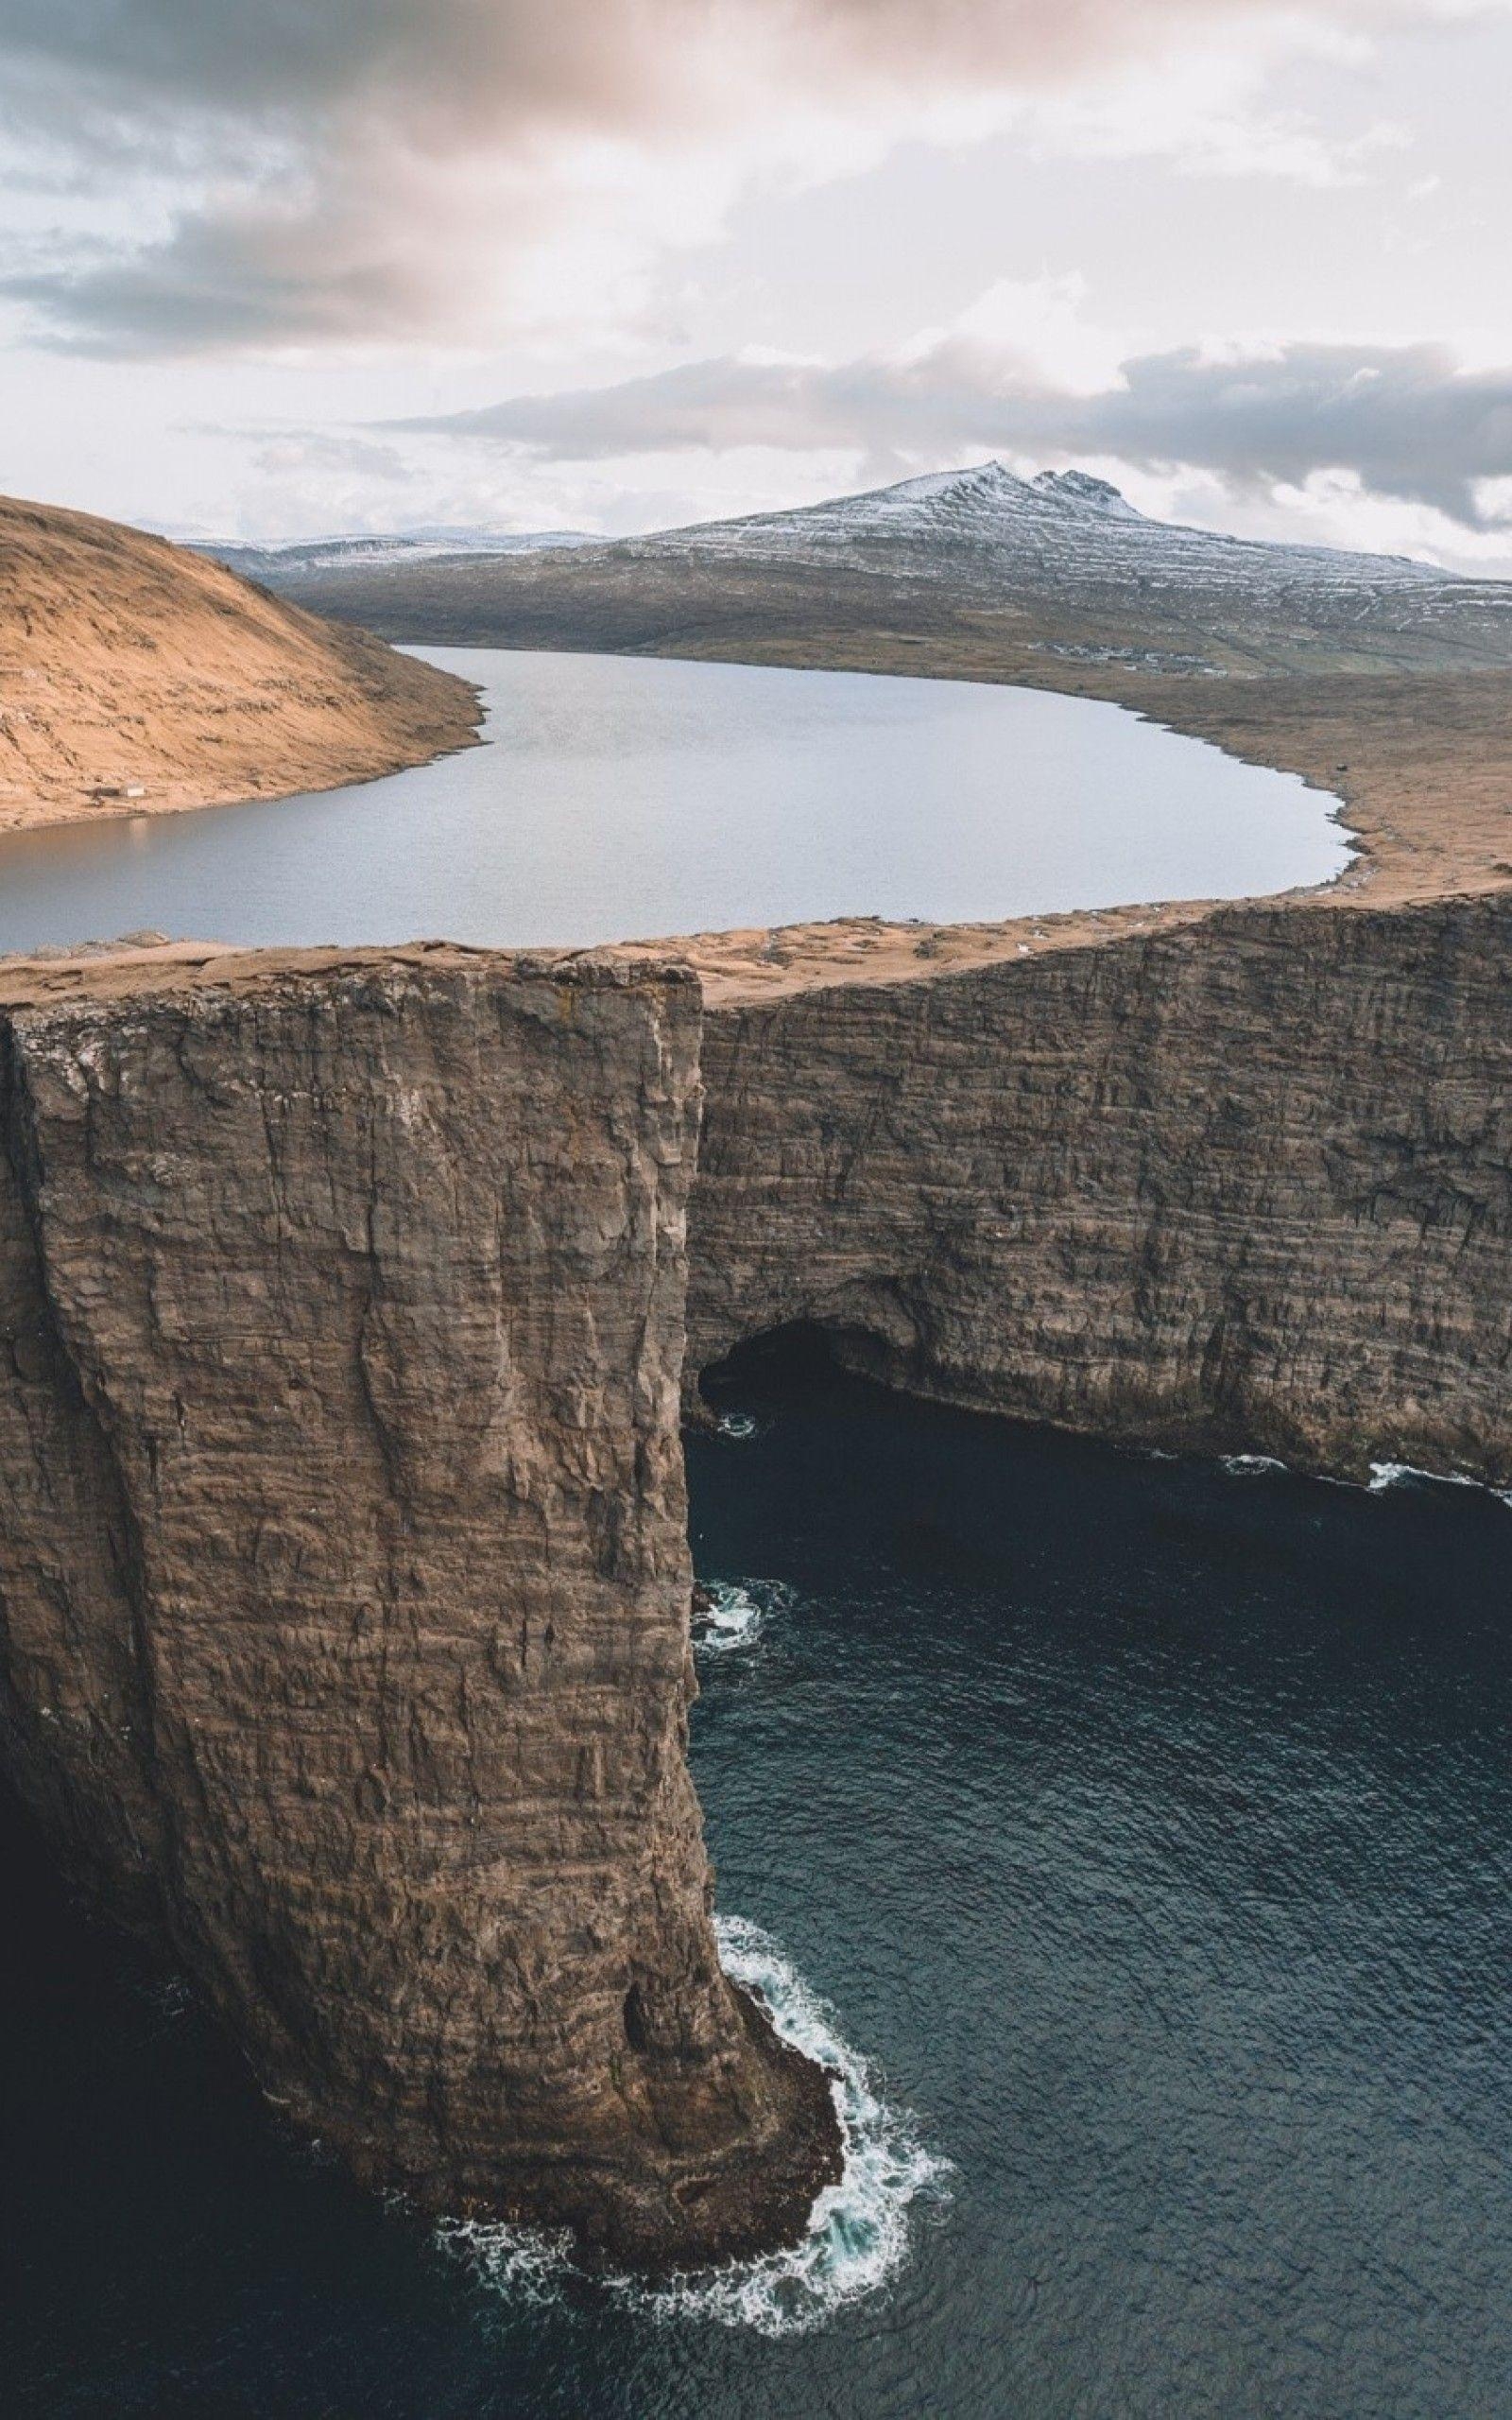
(1384, 1475)
(861, 2229)
(1388, 1475)
(736, 1614)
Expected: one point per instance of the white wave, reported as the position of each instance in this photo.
(1389, 1475)
(859, 2232)
(1384, 1475)
(525, 2264)
(737, 1614)
(741, 1424)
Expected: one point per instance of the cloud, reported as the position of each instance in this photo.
(1404, 421)
(332, 171)
(446, 68)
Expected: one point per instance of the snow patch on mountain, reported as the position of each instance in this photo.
(360, 551)
(980, 525)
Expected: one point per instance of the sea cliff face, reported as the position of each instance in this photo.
(344, 1577)
(1243, 1185)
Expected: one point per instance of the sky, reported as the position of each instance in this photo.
(274, 270)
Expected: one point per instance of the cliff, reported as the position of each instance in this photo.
(1243, 1182)
(137, 677)
(345, 1299)
(344, 1579)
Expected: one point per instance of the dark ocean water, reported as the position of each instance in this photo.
(1149, 1827)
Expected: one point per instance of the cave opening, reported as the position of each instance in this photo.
(799, 1353)
(802, 1360)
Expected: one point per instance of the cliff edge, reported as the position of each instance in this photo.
(1239, 1184)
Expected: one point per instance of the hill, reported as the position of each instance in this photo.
(280, 567)
(136, 676)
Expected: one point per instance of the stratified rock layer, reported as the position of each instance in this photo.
(344, 1571)
(1243, 1185)
(344, 1577)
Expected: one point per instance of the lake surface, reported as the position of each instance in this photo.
(1147, 1826)
(618, 799)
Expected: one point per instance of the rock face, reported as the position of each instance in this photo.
(1243, 1185)
(344, 1577)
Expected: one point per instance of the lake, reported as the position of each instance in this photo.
(619, 798)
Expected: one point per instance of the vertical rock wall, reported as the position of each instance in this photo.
(343, 1563)
(1241, 1185)
(344, 1575)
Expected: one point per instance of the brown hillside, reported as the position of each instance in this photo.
(128, 665)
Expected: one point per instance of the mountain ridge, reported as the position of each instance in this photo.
(987, 503)
(254, 561)
(1057, 579)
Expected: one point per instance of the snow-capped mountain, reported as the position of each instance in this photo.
(1069, 556)
(963, 522)
(275, 566)
(980, 565)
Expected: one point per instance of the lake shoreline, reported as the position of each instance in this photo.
(614, 797)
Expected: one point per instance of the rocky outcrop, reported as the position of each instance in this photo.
(344, 1575)
(1244, 1184)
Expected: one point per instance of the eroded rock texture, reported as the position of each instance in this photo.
(343, 1567)
(343, 1562)
(1243, 1186)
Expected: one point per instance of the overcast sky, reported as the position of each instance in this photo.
(281, 269)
